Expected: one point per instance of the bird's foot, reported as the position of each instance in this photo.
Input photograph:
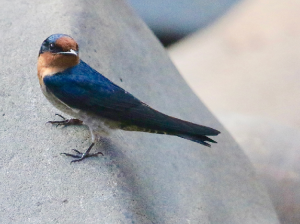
(65, 121)
(81, 156)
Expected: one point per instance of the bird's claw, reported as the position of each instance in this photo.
(65, 121)
(81, 156)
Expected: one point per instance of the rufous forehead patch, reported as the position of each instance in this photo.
(67, 43)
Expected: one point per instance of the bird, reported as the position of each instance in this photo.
(80, 91)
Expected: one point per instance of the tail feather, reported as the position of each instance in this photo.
(199, 139)
(144, 118)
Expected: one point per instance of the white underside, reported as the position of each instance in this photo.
(99, 126)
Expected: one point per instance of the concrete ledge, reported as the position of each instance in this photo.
(142, 178)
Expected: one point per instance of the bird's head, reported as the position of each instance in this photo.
(59, 44)
(58, 52)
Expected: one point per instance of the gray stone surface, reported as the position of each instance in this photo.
(254, 89)
(143, 178)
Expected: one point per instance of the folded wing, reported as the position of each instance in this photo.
(83, 88)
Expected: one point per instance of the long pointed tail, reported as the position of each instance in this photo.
(199, 139)
(146, 119)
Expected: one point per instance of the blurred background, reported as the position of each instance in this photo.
(242, 58)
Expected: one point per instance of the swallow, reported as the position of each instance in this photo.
(78, 90)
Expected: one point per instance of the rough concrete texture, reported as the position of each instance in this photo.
(246, 69)
(143, 178)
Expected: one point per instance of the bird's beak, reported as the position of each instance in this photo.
(71, 52)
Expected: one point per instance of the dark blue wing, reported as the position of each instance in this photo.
(82, 87)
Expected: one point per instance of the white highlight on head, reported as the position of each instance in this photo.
(71, 52)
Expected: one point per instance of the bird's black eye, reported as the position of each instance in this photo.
(51, 47)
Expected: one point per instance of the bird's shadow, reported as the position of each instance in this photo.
(122, 167)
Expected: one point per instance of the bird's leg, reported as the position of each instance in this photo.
(81, 156)
(65, 121)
